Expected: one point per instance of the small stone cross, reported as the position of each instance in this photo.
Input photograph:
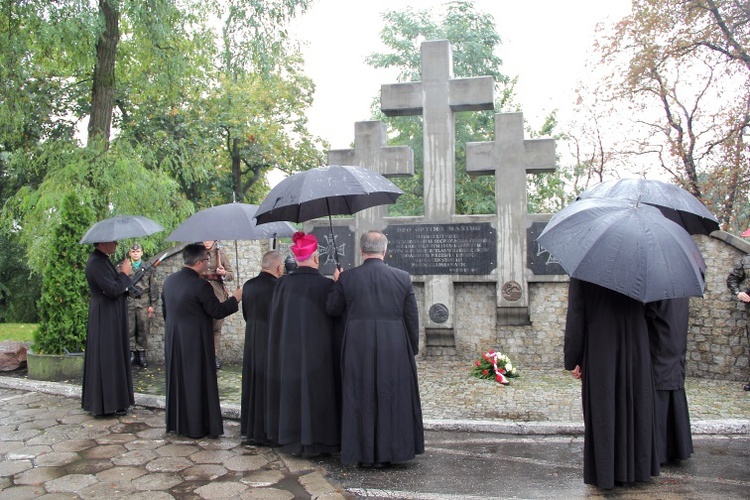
(510, 157)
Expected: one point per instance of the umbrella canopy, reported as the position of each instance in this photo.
(331, 190)
(674, 202)
(629, 248)
(232, 221)
(121, 227)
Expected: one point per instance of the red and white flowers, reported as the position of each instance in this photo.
(494, 365)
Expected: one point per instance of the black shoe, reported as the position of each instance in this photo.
(121, 413)
(747, 386)
(132, 358)
(142, 359)
(218, 364)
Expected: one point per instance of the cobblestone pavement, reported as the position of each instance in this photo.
(49, 447)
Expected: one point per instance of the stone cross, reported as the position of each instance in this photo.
(370, 151)
(437, 98)
(510, 158)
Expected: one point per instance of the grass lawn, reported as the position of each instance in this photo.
(22, 332)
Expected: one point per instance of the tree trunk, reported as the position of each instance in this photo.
(103, 88)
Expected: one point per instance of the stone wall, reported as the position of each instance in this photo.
(717, 342)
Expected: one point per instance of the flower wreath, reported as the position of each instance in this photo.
(494, 365)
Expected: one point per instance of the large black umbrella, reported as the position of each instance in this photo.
(121, 227)
(627, 247)
(232, 221)
(674, 202)
(326, 191)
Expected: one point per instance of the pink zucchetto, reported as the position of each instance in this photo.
(304, 245)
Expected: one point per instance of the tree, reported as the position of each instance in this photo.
(475, 46)
(64, 302)
(679, 70)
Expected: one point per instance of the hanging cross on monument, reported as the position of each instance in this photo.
(437, 98)
(370, 151)
(510, 158)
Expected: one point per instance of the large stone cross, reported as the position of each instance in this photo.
(370, 151)
(437, 97)
(510, 158)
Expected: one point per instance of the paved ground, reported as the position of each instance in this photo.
(524, 442)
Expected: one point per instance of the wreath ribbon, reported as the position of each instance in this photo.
(499, 376)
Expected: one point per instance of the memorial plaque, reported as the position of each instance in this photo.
(344, 240)
(438, 249)
(539, 260)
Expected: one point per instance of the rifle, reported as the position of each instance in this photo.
(136, 291)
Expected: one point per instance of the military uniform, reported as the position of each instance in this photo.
(139, 323)
(216, 255)
(738, 282)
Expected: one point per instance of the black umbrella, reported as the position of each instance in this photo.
(232, 221)
(121, 227)
(674, 202)
(326, 191)
(627, 247)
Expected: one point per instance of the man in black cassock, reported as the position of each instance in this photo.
(668, 329)
(256, 308)
(382, 412)
(607, 345)
(107, 383)
(303, 410)
(189, 306)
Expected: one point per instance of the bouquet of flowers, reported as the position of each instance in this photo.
(494, 365)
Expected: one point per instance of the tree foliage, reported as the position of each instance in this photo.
(64, 302)
(185, 103)
(674, 75)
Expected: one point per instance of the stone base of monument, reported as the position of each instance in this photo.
(53, 367)
(513, 316)
(440, 341)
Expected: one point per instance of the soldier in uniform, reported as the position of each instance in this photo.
(740, 288)
(218, 272)
(140, 309)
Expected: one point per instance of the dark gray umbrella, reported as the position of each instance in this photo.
(232, 221)
(629, 248)
(326, 191)
(121, 227)
(674, 202)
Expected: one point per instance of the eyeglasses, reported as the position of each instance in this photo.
(206, 259)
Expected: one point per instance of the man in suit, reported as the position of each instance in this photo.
(381, 411)
(256, 307)
(189, 306)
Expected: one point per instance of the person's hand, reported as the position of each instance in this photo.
(150, 311)
(126, 267)
(221, 271)
(336, 273)
(576, 372)
(743, 296)
(237, 294)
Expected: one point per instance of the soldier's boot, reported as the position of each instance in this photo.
(132, 358)
(142, 359)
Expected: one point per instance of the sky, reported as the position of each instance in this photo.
(545, 44)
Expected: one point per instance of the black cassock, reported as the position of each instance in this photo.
(189, 306)
(382, 412)
(607, 336)
(668, 329)
(304, 380)
(107, 383)
(256, 308)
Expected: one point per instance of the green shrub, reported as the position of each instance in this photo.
(63, 306)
